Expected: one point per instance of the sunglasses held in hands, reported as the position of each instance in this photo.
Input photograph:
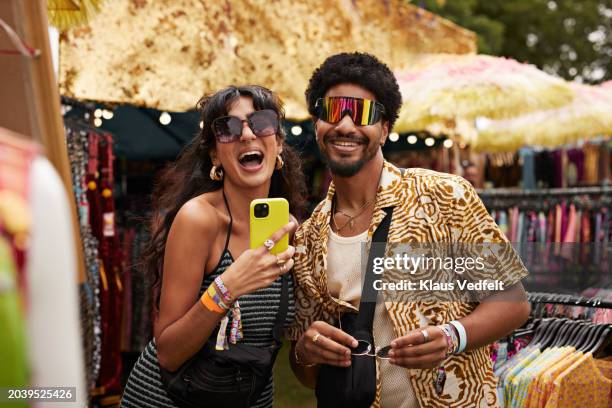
(228, 129)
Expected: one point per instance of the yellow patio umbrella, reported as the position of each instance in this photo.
(589, 115)
(446, 93)
(65, 14)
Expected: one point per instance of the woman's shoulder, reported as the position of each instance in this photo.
(199, 215)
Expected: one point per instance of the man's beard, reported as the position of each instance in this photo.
(342, 169)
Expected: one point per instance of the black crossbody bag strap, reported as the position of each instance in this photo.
(283, 307)
(369, 295)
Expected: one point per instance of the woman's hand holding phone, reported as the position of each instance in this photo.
(257, 268)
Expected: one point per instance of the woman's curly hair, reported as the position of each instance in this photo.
(189, 177)
(361, 69)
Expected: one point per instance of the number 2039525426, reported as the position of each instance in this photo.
(48, 394)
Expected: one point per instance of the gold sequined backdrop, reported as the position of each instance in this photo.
(165, 54)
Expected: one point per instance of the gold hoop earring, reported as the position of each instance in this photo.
(279, 162)
(216, 173)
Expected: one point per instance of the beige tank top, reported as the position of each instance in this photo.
(344, 272)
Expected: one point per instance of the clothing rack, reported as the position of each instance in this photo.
(512, 192)
(570, 300)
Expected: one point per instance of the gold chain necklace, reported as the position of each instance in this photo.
(351, 218)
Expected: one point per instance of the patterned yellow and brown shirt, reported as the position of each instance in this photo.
(429, 207)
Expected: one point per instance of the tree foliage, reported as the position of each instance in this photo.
(571, 38)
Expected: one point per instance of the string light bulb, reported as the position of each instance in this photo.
(448, 143)
(393, 136)
(165, 118)
(98, 113)
(97, 122)
(412, 139)
(430, 141)
(296, 130)
(107, 114)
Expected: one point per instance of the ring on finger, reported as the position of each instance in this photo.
(269, 244)
(282, 268)
(425, 336)
(315, 338)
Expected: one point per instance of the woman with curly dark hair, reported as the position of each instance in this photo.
(199, 251)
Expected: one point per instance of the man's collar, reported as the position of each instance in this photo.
(390, 194)
(389, 190)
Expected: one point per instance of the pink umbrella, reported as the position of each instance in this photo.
(440, 91)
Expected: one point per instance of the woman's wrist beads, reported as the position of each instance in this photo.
(217, 299)
(213, 301)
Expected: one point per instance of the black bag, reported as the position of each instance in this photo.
(355, 386)
(230, 378)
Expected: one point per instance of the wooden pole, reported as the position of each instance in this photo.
(29, 95)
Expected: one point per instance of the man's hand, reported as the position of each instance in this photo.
(325, 344)
(412, 351)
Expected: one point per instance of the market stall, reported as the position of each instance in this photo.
(135, 71)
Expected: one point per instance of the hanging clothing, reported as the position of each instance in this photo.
(527, 156)
(540, 390)
(38, 272)
(575, 159)
(16, 159)
(545, 169)
(605, 162)
(519, 386)
(77, 140)
(582, 381)
(52, 273)
(14, 370)
(570, 233)
(591, 163)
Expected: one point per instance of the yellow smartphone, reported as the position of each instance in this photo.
(268, 215)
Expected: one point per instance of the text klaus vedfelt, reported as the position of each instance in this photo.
(412, 264)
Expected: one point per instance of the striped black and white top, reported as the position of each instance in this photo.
(144, 388)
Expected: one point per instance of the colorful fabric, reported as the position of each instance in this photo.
(515, 371)
(14, 370)
(16, 158)
(582, 382)
(520, 385)
(438, 207)
(540, 390)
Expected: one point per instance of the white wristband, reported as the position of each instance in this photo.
(462, 335)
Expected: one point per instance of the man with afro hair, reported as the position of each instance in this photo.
(437, 352)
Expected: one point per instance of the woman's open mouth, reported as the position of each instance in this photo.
(251, 160)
